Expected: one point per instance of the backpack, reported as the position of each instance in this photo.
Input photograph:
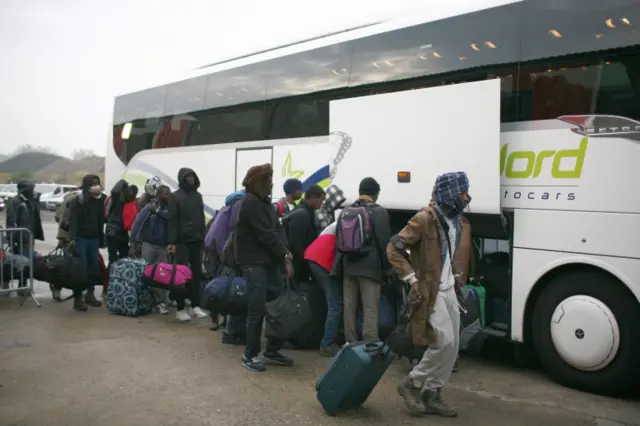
(354, 233)
(281, 207)
(218, 232)
(286, 219)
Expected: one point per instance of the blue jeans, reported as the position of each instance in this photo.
(333, 294)
(264, 284)
(88, 250)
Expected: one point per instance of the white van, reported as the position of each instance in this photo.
(52, 190)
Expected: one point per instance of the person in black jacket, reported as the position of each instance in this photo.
(363, 275)
(185, 238)
(260, 252)
(117, 238)
(301, 230)
(23, 212)
(86, 235)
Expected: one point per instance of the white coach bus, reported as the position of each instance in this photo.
(537, 100)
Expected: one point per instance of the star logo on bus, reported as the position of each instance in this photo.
(287, 168)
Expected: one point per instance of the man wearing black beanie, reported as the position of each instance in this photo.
(363, 273)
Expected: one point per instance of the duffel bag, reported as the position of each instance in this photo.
(167, 276)
(310, 336)
(226, 295)
(288, 314)
(61, 270)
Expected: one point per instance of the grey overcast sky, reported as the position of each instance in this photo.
(63, 60)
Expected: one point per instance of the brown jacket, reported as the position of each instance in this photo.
(422, 236)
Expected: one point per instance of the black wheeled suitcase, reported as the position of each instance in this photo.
(353, 374)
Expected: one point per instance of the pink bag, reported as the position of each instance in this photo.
(167, 275)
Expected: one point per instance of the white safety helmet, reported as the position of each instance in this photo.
(151, 185)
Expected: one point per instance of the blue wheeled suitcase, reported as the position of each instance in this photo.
(353, 374)
(127, 294)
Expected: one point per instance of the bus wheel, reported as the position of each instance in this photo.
(585, 331)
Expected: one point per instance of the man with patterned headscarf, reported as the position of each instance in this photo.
(433, 236)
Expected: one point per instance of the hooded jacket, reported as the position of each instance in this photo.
(86, 213)
(115, 227)
(186, 211)
(301, 230)
(23, 212)
(62, 215)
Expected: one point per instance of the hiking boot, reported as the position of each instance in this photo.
(233, 339)
(330, 351)
(91, 300)
(411, 395)
(277, 358)
(434, 404)
(79, 304)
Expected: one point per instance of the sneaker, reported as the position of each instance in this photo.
(233, 339)
(183, 316)
(329, 351)
(79, 304)
(277, 358)
(434, 404)
(161, 308)
(253, 364)
(411, 396)
(198, 312)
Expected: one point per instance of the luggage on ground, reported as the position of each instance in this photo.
(353, 374)
(386, 318)
(127, 294)
(400, 340)
(493, 271)
(226, 295)
(167, 276)
(61, 270)
(471, 335)
(288, 314)
(310, 336)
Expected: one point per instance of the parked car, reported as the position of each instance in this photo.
(8, 191)
(52, 203)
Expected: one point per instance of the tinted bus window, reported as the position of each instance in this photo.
(473, 40)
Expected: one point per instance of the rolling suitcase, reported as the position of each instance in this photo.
(127, 295)
(353, 374)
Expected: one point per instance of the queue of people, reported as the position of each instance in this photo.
(296, 239)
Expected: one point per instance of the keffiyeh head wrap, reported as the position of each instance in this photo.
(448, 189)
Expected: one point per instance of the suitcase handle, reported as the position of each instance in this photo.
(373, 348)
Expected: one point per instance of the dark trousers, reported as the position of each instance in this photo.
(333, 294)
(88, 251)
(190, 254)
(264, 284)
(117, 248)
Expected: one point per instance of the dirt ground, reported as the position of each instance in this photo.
(61, 367)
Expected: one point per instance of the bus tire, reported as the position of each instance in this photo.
(572, 312)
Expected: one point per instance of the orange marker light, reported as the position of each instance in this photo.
(404, 177)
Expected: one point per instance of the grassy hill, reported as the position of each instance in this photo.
(28, 163)
(65, 170)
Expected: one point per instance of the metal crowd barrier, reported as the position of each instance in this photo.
(16, 263)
